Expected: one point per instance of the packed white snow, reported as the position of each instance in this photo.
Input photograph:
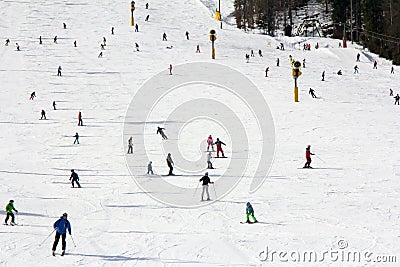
(352, 194)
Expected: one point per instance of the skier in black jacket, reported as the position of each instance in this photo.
(206, 180)
(74, 178)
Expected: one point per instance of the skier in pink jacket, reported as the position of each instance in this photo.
(210, 142)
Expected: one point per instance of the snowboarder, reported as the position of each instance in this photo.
(304, 63)
(80, 121)
(40, 40)
(187, 35)
(147, 18)
(339, 72)
(311, 92)
(375, 65)
(76, 138)
(209, 163)
(170, 69)
(161, 132)
(170, 164)
(251, 53)
(147, 5)
(198, 49)
(130, 145)
(7, 42)
(206, 180)
(61, 226)
(100, 54)
(55, 39)
(277, 62)
(219, 147)
(164, 37)
(74, 179)
(323, 76)
(112, 30)
(210, 142)
(308, 157)
(358, 57)
(150, 168)
(137, 47)
(260, 53)
(75, 43)
(18, 49)
(391, 92)
(33, 95)
(266, 72)
(250, 212)
(136, 28)
(355, 69)
(392, 70)
(59, 71)
(397, 98)
(54, 105)
(64, 25)
(9, 211)
(43, 113)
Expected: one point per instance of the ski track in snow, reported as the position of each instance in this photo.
(352, 128)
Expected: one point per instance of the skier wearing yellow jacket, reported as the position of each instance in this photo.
(9, 210)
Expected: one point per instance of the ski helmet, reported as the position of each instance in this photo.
(11, 201)
(65, 214)
(206, 173)
(248, 204)
(72, 170)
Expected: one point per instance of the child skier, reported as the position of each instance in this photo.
(59, 71)
(219, 147)
(375, 65)
(7, 42)
(355, 69)
(206, 180)
(164, 37)
(33, 95)
(187, 35)
(161, 132)
(198, 49)
(209, 163)
(61, 226)
(9, 210)
(308, 157)
(210, 142)
(250, 212)
(74, 179)
(150, 168)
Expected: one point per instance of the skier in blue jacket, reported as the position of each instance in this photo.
(250, 212)
(61, 226)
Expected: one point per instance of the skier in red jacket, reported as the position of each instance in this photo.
(219, 147)
(308, 157)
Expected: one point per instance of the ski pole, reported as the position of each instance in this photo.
(72, 240)
(47, 237)
(196, 189)
(320, 159)
(215, 191)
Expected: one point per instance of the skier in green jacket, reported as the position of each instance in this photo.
(9, 211)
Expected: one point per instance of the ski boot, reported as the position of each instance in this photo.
(53, 253)
(63, 253)
(12, 223)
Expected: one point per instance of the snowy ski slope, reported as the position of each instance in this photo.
(352, 195)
